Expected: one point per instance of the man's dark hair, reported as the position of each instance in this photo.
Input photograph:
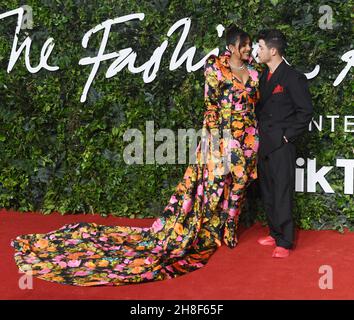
(234, 33)
(273, 38)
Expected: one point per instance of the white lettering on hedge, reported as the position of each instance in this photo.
(189, 54)
(127, 57)
(348, 165)
(349, 58)
(313, 73)
(15, 53)
(315, 176)
(345, 123)
(124, 57)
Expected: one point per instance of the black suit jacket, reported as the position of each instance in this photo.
(286, 113)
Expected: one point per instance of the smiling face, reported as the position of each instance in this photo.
(245, 50)
(264, 53)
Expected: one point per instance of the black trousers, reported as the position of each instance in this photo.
(276, 173)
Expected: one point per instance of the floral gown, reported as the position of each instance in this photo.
(202, 213)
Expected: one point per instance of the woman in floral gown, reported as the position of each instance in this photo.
(202, 213)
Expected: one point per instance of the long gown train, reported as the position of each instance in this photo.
(202, 213)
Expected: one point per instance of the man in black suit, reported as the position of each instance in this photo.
(284, 113)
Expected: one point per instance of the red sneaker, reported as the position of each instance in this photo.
(280, 252)
(266, 241)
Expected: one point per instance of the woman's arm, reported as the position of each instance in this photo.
(211, 93)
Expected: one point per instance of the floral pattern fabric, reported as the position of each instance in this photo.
(202, 213)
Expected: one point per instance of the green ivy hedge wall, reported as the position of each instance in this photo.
(59, 154)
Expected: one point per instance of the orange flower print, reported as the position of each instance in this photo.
(178, 228)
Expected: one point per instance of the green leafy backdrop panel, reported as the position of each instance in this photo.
(58, 154)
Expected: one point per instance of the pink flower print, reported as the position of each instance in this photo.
(179, 238)
(169, 268)
(187, 205)
(200, 190)
(250, 130)
(235, 197)
(72, 241)
(205, 200)
(198, 148)
(81, 273)
(248, 153)
(157, 225)
(130, 253)
(112, 276)
(85, 235)
(182, 262)
(148, 275)
(206, 173)
(115, 248)
(52, 237)
(206, 89)
(238, 106)
(253, 74)
(119, 267)
(45, 271)
(232, 212)
(157, 249)
(220, 191)
(219, 75)
(225, 204)
(255, 146)
(172, 209)
(31, 260)
(57, 259)
(173, 199)
(74, 263)
(62, 264)
(234, 143)
(73, 226)
(149, 260)
(104, 239)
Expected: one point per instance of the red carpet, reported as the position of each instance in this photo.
(246, 272)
